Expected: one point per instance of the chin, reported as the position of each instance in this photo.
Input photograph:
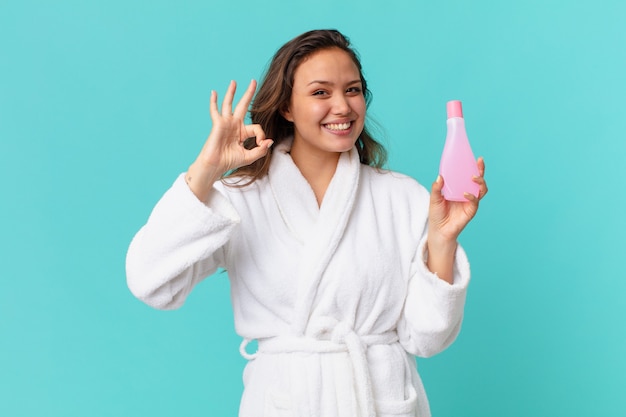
(344, 145)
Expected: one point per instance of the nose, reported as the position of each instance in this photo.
(341, 105)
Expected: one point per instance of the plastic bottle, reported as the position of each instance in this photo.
(458, 165)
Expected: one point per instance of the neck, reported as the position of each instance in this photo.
(317, 168)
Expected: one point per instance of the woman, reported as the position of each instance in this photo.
(342, 271)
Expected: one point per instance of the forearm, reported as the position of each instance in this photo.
(441, 255)
(200, 179)
(433, 311)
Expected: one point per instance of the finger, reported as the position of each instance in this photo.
(471, 207)
(470, 197)
(213, 106)
(483, 190)
(227, 105)
(482, 186)
(478, 180)
(435, 193)
(481, 166)
(259, 151)
(254, 131)
(246, 99)
(254, 137)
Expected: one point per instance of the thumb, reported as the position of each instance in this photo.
(435, 193)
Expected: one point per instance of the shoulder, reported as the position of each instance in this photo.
(393, 184)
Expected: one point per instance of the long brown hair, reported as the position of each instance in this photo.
(274, 95)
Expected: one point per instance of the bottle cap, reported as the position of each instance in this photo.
(454, 109)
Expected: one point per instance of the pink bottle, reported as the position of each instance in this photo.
(458, 165)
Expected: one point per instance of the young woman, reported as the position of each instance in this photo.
(340, 270)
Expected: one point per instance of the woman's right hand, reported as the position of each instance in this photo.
(224, 149)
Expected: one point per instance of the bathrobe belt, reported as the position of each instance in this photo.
(332, 336)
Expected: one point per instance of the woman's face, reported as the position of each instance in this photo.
(327, 105)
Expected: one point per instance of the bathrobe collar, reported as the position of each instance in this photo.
(318, 229)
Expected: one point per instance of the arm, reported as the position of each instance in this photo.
(182, 243)
(184, 238)
(433, 310)
(439, 275)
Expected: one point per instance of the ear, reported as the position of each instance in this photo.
(286, 114)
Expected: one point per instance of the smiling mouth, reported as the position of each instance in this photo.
(338, 126)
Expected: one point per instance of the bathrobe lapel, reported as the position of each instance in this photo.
(319, 230)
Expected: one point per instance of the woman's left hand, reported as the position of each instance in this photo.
(447, 219)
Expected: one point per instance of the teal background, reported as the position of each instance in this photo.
(102, 104)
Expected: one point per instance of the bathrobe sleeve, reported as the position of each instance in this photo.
(433, 309)
(182, 242)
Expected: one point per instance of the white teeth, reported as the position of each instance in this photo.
(338, 126)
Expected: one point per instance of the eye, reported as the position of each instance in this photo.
(354, 90)
(319, 93)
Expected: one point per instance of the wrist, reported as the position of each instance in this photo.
(200, 179)
(440, 260)
(440, 244)
(203, 172)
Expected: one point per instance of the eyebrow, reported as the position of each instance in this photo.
(330, 83)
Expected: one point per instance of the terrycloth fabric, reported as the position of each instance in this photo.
(338, 296)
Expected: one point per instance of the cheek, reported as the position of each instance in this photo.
(316, 111)
(320, 106)
(358, 105)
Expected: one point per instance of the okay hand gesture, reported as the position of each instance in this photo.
(224, 149)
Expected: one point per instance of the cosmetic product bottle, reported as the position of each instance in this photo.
(458, 165)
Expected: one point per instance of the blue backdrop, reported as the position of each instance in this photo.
(103, 103)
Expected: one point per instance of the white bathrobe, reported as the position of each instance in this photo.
(338, 296)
